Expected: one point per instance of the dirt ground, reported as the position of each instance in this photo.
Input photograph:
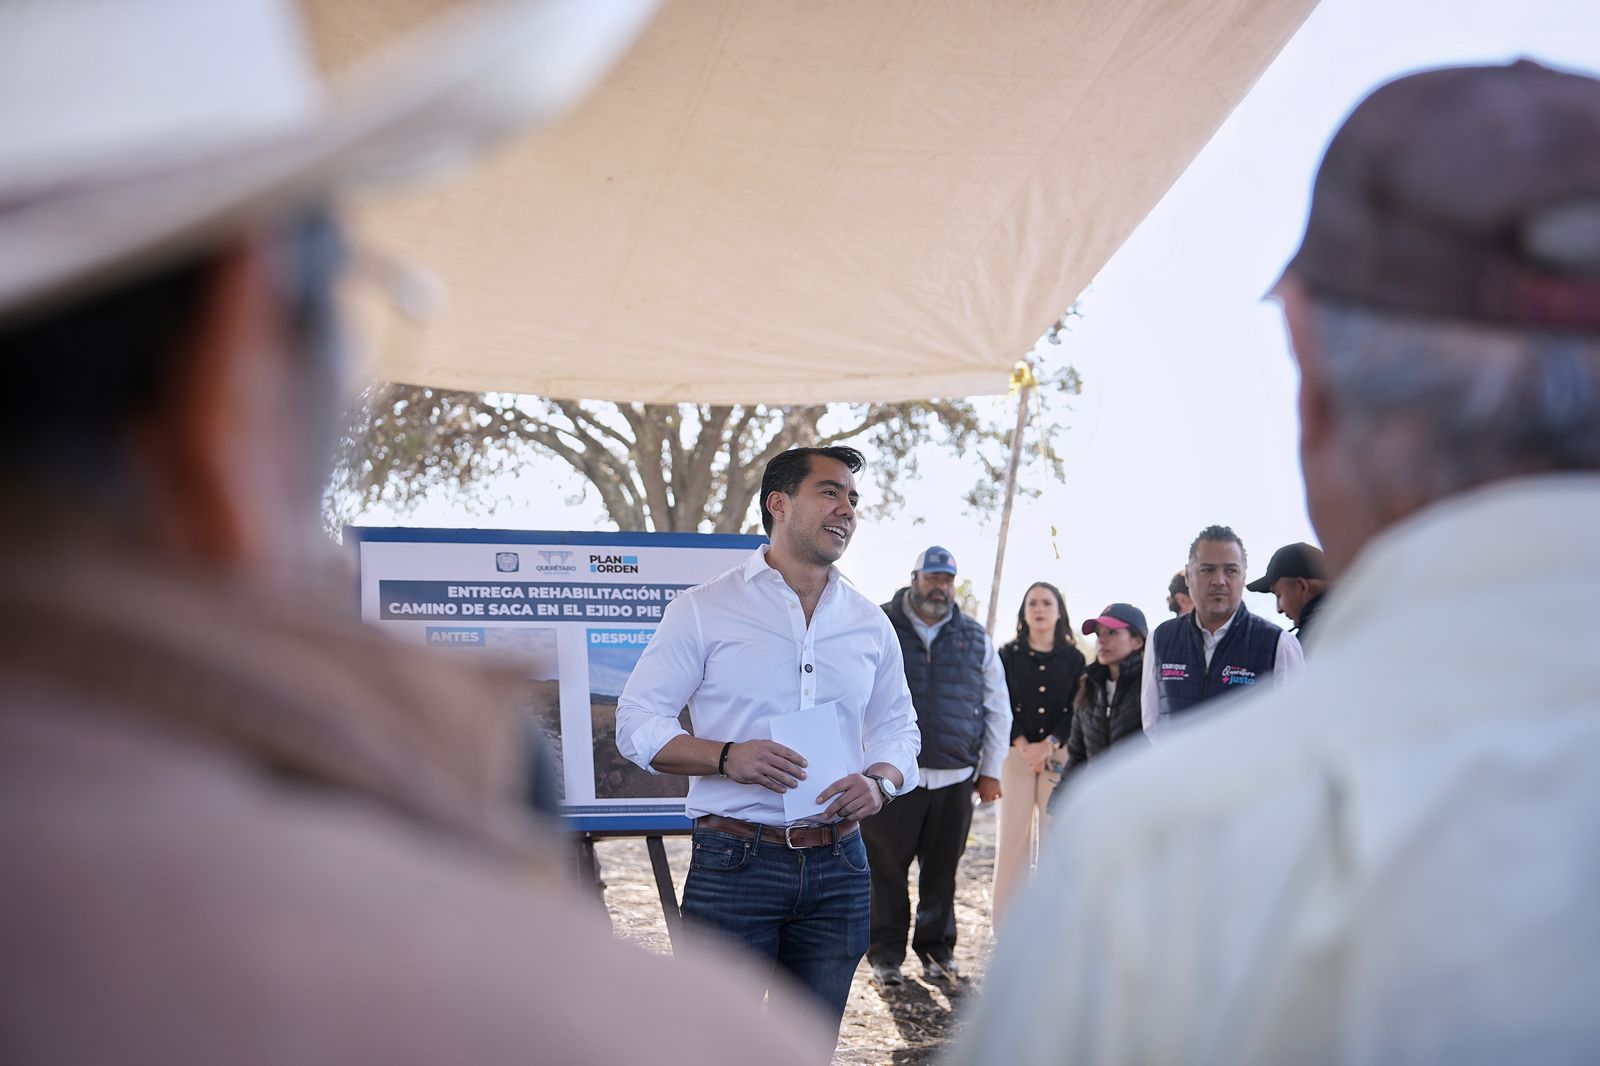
(907, 1026)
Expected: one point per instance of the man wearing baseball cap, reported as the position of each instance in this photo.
(958, 687)
(237, 825)
(1298, 578)
(1393, 860)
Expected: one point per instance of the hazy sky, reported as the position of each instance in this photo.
(1187, 416)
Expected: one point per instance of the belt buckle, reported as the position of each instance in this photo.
(788, 842)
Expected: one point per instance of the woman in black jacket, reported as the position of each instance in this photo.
(1042, 666)
(1107, 710)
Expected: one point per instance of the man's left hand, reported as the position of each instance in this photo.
(988, 789)
(855, 796)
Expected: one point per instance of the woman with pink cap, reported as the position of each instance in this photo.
(1107, 710)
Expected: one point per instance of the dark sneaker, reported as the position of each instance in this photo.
(941, 969)
(887, 974)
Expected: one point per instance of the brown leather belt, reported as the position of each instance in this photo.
(791, 836)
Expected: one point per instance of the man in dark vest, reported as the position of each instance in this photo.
(1298, 578)
(1220, 646)
(964, 713)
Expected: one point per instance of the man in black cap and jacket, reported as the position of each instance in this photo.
(1298, 577)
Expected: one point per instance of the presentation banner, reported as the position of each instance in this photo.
(574, 611)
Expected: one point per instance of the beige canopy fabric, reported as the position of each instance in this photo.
(798, 201)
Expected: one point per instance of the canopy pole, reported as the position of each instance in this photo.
(1022, 376)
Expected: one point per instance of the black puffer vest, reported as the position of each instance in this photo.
(946, 683)
(1098, 723)
(1243, 659)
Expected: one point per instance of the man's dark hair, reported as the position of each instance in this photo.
(1222, 535)
(1179, 583)
(788, 470)
(78, 375)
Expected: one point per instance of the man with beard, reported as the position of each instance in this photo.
(964, 715)
(1219, 647)
(780, 633)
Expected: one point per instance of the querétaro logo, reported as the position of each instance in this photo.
(556, 562)
(613, 564)
(1238, 675)
(507, 562)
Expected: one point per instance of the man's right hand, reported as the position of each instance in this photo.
(766, 763)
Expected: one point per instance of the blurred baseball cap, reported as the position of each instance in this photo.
(935, 560)
(1291, 560)
(1118, 616)
(1466, 193)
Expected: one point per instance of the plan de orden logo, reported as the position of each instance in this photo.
(556, 562)
(613, 564)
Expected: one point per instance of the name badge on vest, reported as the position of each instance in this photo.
(1174, 672)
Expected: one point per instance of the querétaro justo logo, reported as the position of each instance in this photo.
(613, 564)
(556, 562)
(1238, 675)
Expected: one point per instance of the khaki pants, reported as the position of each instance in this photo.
(1023, 795)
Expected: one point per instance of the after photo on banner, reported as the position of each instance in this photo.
(573, 611)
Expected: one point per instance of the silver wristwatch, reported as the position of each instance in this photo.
(886, 787)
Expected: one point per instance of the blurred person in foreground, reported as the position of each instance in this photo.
(1393, 860)
(1297, 578)
(1220, 648)
(238, 826)
(1043, 667)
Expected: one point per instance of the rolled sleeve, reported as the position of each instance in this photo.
(996, 715)
(662, 683)
(889, 727)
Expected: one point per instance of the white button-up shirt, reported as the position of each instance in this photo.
(738, 652)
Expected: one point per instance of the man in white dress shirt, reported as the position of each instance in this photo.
(1394, 860)
(781, 633)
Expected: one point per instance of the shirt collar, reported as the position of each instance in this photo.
(757, 565)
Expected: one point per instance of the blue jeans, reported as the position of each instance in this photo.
(806, 910)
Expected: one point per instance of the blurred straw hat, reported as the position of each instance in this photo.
(132, 131)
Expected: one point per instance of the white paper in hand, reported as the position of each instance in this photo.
(814, 733)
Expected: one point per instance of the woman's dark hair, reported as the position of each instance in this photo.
(787, 471)
(1063, 623)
